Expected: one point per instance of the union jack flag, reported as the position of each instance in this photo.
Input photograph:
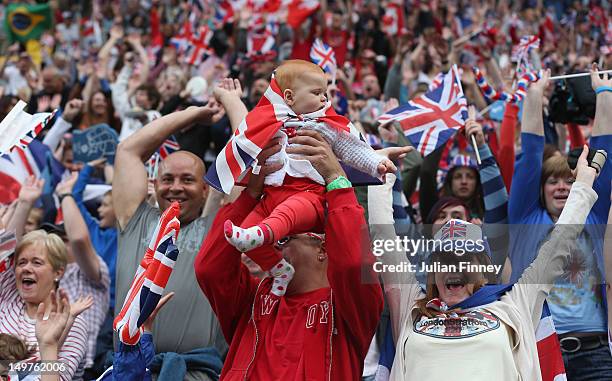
(198, 50)
(169, 146)
(18, 128)
(430, 120)
(261, 45)
(257, 129)
(521, 51)
(224, 13)
(436, 81)
(454, 229)
(323, 55)
(151, 277)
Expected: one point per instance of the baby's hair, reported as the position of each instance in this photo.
(11, 348)
(290, 70)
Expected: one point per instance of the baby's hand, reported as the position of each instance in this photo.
(386, 166)
(227, 87)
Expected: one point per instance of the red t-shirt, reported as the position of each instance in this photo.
(299, 321)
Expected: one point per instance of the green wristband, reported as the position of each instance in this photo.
(339, 183)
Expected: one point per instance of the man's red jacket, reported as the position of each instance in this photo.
(323, 334)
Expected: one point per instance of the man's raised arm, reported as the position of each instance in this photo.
(130, 177)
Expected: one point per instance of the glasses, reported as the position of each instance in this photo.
(285, 240)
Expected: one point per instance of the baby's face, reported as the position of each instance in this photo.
(310, 93)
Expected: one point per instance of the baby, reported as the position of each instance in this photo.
(293, 200)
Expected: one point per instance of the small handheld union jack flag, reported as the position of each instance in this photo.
(520, 52)
(324, 56)
(430, 120)
(169, 146)
(151, 277)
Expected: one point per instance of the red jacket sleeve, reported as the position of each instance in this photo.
(223, 278)
(357, 294)
(505, 158)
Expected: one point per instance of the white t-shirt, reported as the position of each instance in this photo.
(474, 346)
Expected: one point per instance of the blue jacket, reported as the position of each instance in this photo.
(174, 366)
(103, 240)
(530, 222)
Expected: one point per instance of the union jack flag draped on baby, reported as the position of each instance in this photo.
(256, 130)
(151, 277)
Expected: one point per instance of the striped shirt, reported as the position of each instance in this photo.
(14, 321)
(495, 222)
(76, 284)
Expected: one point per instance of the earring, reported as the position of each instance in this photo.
(321, 258)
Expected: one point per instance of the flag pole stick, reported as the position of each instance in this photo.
(485, 110)
(472, 117)
(476, 149)
(577, 75)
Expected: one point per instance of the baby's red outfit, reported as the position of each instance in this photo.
(295, 207)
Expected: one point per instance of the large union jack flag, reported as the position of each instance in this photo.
(257, 129)
(151, 277)
(430, 120)
(323, 55)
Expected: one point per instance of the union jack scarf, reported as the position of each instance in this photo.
(257, 129)
(151, 277)
(492, 95)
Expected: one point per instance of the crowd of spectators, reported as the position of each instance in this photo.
(157, 69)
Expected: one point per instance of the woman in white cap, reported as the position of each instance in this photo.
(444, 332)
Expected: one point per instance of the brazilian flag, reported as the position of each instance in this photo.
(25, 22)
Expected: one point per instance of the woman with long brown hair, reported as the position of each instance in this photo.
(99, 110)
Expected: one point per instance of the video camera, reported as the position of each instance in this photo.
(572, 101)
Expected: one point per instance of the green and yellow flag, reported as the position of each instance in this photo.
(25, 22)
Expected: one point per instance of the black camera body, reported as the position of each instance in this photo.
(595, 158)
(572, 101)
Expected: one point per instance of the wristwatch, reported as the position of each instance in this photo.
(339, 183)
